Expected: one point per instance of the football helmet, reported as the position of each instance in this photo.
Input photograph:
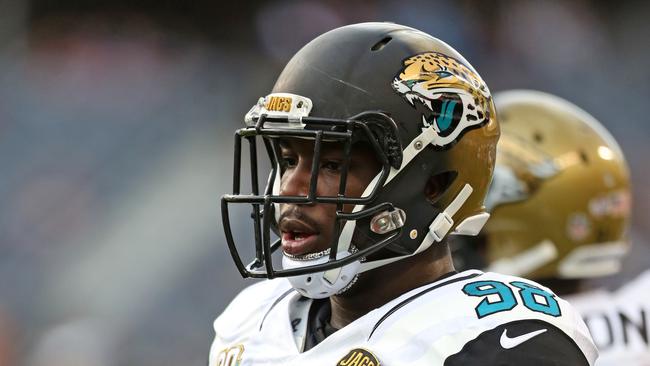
(425, 112)
(560, 195)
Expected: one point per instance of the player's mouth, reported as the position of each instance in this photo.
(298, 238)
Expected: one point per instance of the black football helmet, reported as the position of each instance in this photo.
(425, 112)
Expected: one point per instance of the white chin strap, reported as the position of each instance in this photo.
(439, 228)
(320, 285)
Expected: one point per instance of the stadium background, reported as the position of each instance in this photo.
(115, 144)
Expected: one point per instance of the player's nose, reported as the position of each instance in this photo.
(296, 181)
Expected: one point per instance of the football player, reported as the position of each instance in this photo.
(381, 141)
(560, 206)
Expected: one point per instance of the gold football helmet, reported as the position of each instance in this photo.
(560, 195)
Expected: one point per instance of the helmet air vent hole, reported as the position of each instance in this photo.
(583, 157)
(538, 137)
(379, 45)
(437, 185)
(308, 280)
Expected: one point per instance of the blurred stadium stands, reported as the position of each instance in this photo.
(116, 122)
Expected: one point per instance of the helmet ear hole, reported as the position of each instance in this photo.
(437, 185)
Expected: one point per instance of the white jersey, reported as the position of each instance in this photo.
(468, 318)
(619, 322)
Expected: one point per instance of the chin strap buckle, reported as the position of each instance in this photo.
(441, 226)
(443, 222)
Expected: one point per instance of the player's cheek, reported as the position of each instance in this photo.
(328, 183)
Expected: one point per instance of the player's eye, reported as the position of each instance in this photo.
(288, 162)
(331, 165)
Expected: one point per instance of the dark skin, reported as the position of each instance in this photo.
(314, 222)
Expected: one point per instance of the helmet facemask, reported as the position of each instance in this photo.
(266, 126)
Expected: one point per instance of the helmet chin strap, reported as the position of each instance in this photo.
(320, 285)
(438, 229)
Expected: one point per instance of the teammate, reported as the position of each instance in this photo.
(382, 142)
(560, 205)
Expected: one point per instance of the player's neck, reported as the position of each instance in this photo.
(386, 283)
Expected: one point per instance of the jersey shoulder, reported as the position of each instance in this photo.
(493, 297)
(524, 299)
(467, 313)
(247, 309)
(535, 306)
(521, 342)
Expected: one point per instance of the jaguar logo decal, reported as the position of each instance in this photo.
(450, 96)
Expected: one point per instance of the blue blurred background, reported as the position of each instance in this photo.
(116, 121)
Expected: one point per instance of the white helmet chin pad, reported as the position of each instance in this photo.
(324, 284)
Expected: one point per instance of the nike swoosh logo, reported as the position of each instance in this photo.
(507, 342)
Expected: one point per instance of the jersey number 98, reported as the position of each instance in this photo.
(498, 297)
